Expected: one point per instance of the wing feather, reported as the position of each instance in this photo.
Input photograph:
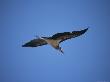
(68, 35)
(35, 43)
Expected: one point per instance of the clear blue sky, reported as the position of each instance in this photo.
(86, 58)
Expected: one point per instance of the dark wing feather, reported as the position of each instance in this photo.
(68, 35)
(35, 43)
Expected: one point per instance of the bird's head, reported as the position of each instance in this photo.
(45, 37)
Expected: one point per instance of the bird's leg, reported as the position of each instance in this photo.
(61, 50)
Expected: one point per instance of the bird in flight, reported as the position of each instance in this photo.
(54, 40)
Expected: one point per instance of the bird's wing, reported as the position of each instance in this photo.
(35, 43)
(68, 35)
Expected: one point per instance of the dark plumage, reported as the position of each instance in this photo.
(55, 40)
(68, 35)
(35, 43)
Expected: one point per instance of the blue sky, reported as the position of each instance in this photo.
(86, 58)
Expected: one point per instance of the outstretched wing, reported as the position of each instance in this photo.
(35, 43)
(68, 35)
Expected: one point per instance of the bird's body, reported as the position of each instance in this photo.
(53, 43)
(55, 40)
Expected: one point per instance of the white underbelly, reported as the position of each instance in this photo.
(53, 43)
